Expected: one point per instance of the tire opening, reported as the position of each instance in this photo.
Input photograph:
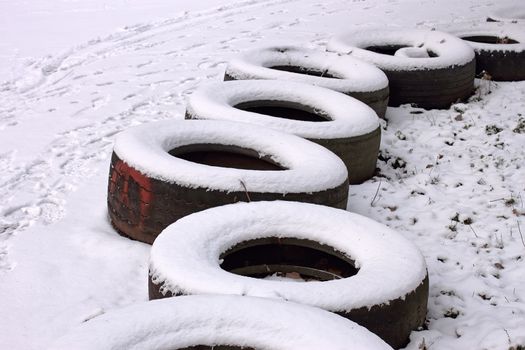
(489, 39)
(291, 258)
(216, 347)
(386, 49)
(226, 156)
(286, 110)
(306, 71)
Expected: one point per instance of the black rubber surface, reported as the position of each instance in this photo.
(141, 207)
(500, 65)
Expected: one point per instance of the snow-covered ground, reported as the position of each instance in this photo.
(75, 73)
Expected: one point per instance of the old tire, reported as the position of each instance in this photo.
(429, 69)
(341, 73)
(499, 47)
(219, 322)
(388, 294)
(155, 176)
(338, 122)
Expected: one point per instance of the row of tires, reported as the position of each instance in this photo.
(252, 142)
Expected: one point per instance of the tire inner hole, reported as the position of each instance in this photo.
(226, 156)
(287, 258)
(488, 39)
(306, 71)
(391, 50)
(286, 110)
(216, 347)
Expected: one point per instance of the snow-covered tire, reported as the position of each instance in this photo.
(512, 13)
(388, 294)
(499, 47)
(219, 322)
(426, 68)
(341, 73)
(344, 125)
(155, 176)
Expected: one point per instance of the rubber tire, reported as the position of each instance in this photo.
(501, 65)
(140, 207)
(220, 322)
(432, 89)
(382, 319)
(377, 100)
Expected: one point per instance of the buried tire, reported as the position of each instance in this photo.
(429, 69)
(338, 122)
(352, 265)
(499, 47)
(163, 171)
(220, 323)
(340, 73)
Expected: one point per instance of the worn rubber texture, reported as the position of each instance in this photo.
(377, 100)
(384, 320)
(141, 207)
(432, 89)
(501, 65)
(359, 154)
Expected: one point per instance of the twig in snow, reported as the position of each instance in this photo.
(508, 336)
(245, 191)
(473, 231)
(375, 195)
(521, 235)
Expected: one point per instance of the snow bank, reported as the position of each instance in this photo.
(347, 116)
(308, 166)
(450, 51)
(185, 256)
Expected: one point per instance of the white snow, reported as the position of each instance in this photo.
(498, 29)
(508, 13)
(308, 167)
(347, 116)
(450, 50)
(349, 74)
(185, 256)
(220, 320)
(61, 262)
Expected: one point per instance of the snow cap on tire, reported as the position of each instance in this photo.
(346, 116)
(499, 30)
(185, 256)
(450, 50)
(219, 320)
(308, 166)
(337, 72)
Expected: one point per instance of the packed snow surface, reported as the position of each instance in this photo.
(347, 116)
(514, 12)
(186, 255)
(336, 72)
(451, 181)
(308, 167)
(500, 30)
(447, 50)
(181, 322)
